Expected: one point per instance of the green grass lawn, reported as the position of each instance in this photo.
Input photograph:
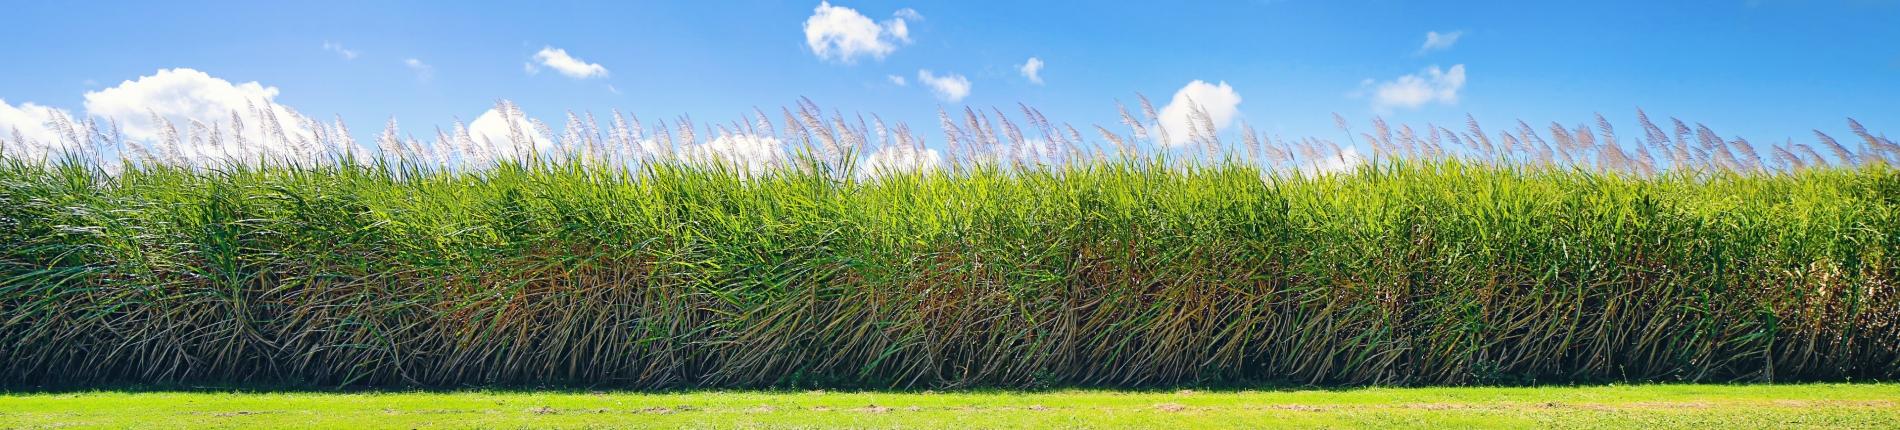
(1640, 406)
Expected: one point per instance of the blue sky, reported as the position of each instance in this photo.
(1764, 69)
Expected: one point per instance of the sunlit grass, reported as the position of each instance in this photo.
(1641, 406)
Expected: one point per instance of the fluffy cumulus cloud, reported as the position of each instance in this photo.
(1432, 85)
(28, 129)
(559, 60)
(493, 130)
(1032, 70)
(1435, 41)
(155, 108)
(950, 87)
(842, 34)
(898, 159)
(1031, 150)
(1219, 101)
(751, 153)
(1344, 161)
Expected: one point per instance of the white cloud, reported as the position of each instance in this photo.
(1032, 69)
(346, 53)
(32, 123)
(950, 87)
(491, 129)
(900, 158)
(1344, 161)
(1435, 41)
(1432, 85)
(897, 80)
(179, 96)
(1219, 101)
(557, 59)
(613, 89)
(424, 71)
(749, 152)
(908, 13)
(1032, 149)
(842, 34)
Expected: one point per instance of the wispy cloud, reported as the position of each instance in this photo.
(842, 34)
(1032, 70)
(424, 71)
(897, 80)
(346, 53)
(908, 13)
(560, 61)
(950, 87)
(1432, 85)
(1435, 41)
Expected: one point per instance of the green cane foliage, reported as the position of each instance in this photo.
(1104, 273)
